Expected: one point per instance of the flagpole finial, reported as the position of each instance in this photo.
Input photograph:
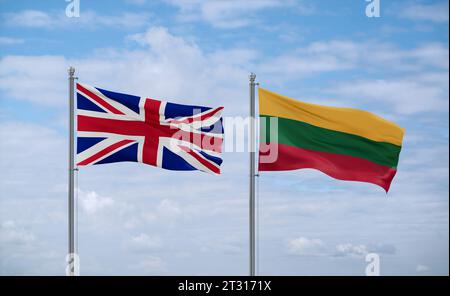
(252, 77)
(71, 71)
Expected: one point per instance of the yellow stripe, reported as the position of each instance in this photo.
(347, 120)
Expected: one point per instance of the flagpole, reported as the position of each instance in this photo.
(252, 78)
(71, 201)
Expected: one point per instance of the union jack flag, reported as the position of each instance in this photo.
(115, 127)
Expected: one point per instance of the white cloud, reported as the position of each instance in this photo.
(136, 2)
(435, 12)
(166, 67)
(315, 58)
(91, 202)
(431, 54)
(19, 161)
(293, 65)
(87, 19)
(167, 59)
(422, 93)
(152, 264)
(422, 268)
(22, 252)
(169, 66)
(25, 249)
(228, 245)
(162, 42)
(342, 55)
(388, 249)
(316, 247)
(168, 209)
(351, 250)
(47, 73)
(11, 233)
(306, 246)
(145, 242)
(423, 89)
(10, 40)
(29, 18)
(226, 13)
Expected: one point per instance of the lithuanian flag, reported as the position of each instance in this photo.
(346, 144)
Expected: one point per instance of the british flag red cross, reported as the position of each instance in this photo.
(115, 127)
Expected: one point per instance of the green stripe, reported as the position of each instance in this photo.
(307, 136)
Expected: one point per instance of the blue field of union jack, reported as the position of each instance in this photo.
(114, 127)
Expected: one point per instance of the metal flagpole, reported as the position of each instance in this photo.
(71, 201)
(252, 174)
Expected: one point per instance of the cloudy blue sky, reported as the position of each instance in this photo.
(137, 219)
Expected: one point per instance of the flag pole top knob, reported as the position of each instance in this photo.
(252, 77)
(71, 71)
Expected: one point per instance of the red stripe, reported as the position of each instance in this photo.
(152, 130)
(104, 152)
(201, 160)
(98, 99)
(114, 126)
(338, 166)
(147, 129)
